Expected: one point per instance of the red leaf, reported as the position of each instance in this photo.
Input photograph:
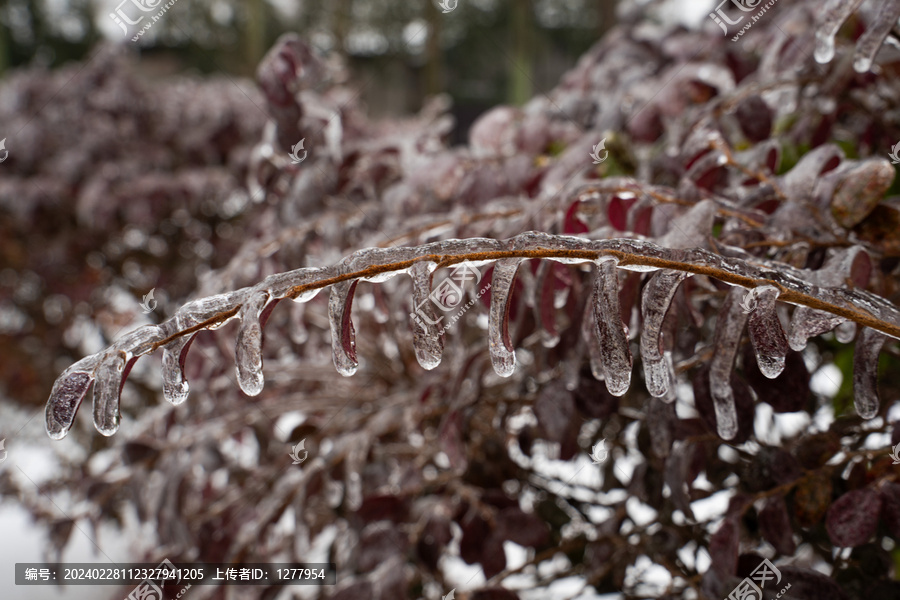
(572, 225)
(853, 518)
(617, 211)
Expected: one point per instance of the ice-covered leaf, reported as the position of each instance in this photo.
(248, 349)
(766, 332)
(502, 350)
(871, 41)
(729, 328)
(655, 302)
(865, 372)
(834, 15)
(106, 394)
(616, 359)
(861, 189)
(426, 325)
(742, 402)
(67, 395)
(343, 335)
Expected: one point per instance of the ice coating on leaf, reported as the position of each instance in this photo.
(280, 284)
(369, 257)
(248, 348)
(655, 301)
(203, 309)
(67, 395)
(106, 394)
(692, 228)
(800, 181)
(729, 328)
(503, 354)
(537, 240)
(343, 336)
(426, 325)
(175, 386)
(141, 340)
(766, 333)
(865, 372)
(616, 354)
(871, 41)
(592, 340)
(836, 13)
(808, 322)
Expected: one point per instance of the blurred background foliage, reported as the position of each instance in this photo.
(482, 53)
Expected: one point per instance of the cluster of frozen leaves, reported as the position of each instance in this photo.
(727, 170)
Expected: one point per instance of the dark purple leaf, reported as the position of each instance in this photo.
(775, 525)
(724, 546)
(853, 517)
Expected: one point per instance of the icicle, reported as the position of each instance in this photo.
(503, 354)
(175, 386)
(617, 360)
(835, 15)
(655, 301)
(845, 332)
(343, 336)
(766, 332)
(427, 328)
(865, 372)
(248, 348)
(878, 29)
(729, 327)
(809, 322)
(106, 394)
(67, 395)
